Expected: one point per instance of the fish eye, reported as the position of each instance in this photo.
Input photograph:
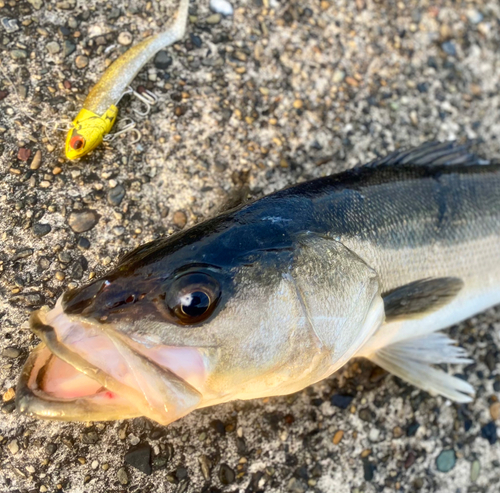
(192, 298)
(77, 142)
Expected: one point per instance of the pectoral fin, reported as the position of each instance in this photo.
(409, 350)
(411, 361)
(421, 297)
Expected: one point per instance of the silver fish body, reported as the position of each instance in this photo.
(278, 294)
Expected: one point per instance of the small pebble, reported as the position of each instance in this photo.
(338, 437)
(296, 486)
(53, 47)
(25, 253)
(89, 438)
(125, 38)
(41, 229)
(162, 60)
(341, 401)
(51, 448)
(18, 54)
(10, 25)
(115, 195)
(226, 474)
(449, 48)
(11, 352)
(397, 432)
(83, 243)
(205, 466)
(474, 16)
(81, 61)
(475, 469)
(122, 476)
(82, 221)
(489, 432)
(140, 458)
(180, 219)
(133, 439)
(445, 461)
(13, 446)
(368, 470)
(213, 19)
(221, 7)
(196, 40)
(410, 459)
(23, 154)
(64, 257)
(69, 47)
(412, 428)
(374, 435)
(37, 4)
(37, 160)
(366, 415)
(352, 81)
(495, 411)
(9, 395)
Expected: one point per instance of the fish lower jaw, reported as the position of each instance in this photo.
(80, 374)
(86, 402)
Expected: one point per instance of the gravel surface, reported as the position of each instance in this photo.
(276, 94)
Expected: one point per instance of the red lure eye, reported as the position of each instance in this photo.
(77, 142)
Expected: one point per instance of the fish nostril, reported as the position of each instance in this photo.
(77, 300)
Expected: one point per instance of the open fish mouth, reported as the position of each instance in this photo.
(85, 372)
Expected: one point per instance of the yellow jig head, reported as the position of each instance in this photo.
(88, 131)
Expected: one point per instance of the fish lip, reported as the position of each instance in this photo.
(35, 402)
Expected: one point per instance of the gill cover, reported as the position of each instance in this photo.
(88, 131)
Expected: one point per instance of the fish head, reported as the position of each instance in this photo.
(88, 131)
(178, 326)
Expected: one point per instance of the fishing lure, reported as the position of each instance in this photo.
(98, 115)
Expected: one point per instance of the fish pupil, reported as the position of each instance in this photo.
(195, 304)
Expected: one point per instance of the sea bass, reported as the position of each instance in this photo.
(270, 297)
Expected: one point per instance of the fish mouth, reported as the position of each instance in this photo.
(86, 372)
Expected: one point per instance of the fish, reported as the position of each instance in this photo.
(277, 294)
(98, 115)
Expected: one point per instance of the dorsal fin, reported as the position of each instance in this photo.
(432, 154)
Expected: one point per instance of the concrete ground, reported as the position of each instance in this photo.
(279, 93)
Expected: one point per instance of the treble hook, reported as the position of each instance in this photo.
(147, 98)
(126, 127)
